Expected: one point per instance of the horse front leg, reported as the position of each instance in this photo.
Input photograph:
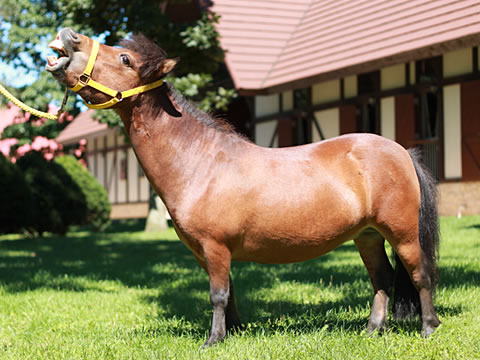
(372, 252)
(217, 260)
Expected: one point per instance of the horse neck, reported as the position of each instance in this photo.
(175, 149)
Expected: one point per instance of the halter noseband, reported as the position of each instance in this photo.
(117, 96)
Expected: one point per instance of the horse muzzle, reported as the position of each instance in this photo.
(64, 44)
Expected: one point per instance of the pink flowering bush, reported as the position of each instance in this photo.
(22, 133)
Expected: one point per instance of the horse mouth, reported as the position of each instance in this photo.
(63, 45)
(54, 63)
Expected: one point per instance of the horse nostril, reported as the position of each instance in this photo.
(71, 35)
(75, 37)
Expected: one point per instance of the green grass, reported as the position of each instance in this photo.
(131, 295)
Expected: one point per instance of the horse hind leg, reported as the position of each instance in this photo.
(370, 244)
(414, 261)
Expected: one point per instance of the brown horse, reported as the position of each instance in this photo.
(230, 199)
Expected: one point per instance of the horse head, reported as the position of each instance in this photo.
(104, 74)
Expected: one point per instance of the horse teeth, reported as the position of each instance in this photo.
(52, 60)
(57, 45)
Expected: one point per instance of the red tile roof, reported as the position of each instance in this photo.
(278, 44)
(83, 126)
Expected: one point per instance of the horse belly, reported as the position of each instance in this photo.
(287, 250)
(294, 234)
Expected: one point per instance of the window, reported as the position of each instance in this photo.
(302, 126)
(368, 109)
(428, 111)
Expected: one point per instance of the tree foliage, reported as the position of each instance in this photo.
(33, 23)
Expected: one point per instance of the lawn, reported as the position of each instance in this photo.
(125, 294)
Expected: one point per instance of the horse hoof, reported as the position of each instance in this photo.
(376, 328)
(429, 326)
(376, 331)
(427, 331)
(211, 341)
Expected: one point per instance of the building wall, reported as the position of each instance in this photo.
(265, 132)
(459, 198)
(387, 117)
(329, 122)
(113, 162)
(336, 110)
(452, 129)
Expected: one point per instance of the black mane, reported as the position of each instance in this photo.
(207, 119)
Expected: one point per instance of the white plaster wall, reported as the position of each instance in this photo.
(326, 92)
(100, 142)
(267, 104)
(91, 145)
(413, 73)
(91, 164)
(452, 130)
(287, 100)
(387, 116)
(101, 169)
(144, 189)
(457, 62)
(350, 86)
(329, 122)
(111, 140)
(110, 181)
(392, 77)
(264, 132)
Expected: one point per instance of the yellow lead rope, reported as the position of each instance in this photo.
(31, 110)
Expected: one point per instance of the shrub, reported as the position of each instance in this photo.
(97, 202)
(58, 201)
(15, 198)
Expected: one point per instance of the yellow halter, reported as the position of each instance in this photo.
(117, 96)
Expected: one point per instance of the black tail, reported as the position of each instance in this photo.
(406, 302)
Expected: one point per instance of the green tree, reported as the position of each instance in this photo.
(33, 23)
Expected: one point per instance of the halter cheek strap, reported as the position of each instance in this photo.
(117, 96)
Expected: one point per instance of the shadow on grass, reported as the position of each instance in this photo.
(80, 262)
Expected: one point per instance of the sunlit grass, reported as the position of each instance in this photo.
(133, 295)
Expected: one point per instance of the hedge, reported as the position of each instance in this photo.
(16, 202)
(38, 196)
(97, 203)
(58, 201)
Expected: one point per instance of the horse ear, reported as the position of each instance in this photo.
(168, 65)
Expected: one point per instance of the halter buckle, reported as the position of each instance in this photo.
(84, 79)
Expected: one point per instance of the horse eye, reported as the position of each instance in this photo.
(125, 59)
